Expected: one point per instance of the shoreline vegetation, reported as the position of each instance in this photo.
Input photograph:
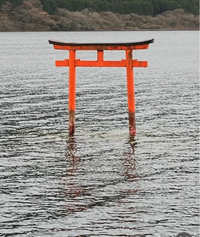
(30, 15)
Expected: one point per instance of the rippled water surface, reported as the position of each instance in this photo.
(99, 182)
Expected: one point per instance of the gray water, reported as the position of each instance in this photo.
(100, 182)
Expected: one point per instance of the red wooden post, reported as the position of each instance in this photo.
(72, 91)
(130, 92)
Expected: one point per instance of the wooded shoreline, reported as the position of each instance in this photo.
(30, 16)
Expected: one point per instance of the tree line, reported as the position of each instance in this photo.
(13, 2)
(140, 7)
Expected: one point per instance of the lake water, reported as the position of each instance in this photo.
(99, 182)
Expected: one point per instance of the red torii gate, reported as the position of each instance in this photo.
(129, 63)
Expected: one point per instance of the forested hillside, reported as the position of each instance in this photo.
(25, 15)
(140, 7)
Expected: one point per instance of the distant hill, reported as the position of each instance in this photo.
(140, 7)
(66, 15)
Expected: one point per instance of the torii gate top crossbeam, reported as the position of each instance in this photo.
(101, 46)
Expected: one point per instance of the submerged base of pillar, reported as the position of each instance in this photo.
(132, 126)
(71, 123)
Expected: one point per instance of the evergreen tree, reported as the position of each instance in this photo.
(13, 2)
(49, 6)
(2, 2)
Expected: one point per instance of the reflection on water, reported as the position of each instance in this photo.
(130, 162)
(77, 193)
(99, 182)
(73, 190)
(71, 156)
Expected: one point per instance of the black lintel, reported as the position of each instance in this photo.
(101, 44)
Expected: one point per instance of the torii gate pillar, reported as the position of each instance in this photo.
(129, 63)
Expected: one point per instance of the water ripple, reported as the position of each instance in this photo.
(100, 182)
